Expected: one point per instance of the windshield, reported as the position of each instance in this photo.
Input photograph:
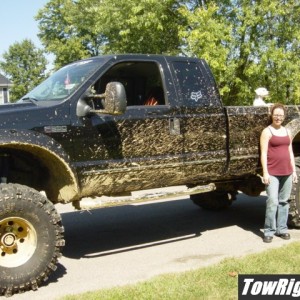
(63, 82)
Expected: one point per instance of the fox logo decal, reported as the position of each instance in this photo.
(196, 96)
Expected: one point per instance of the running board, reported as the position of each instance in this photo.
(143, 196)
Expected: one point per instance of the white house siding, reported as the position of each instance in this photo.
(5, 84)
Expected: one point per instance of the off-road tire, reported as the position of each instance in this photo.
(31, 238)
(294, 217)
(216, 200)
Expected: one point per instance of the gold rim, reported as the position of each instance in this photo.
(18, 241)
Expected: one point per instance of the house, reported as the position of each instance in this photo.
(5, 84)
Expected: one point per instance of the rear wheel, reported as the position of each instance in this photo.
(31, 238)
(294, 217)
(216, 200)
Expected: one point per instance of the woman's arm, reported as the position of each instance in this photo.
(292, 157)
(264, 142)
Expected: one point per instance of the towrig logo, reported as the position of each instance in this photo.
(262, 286)
(196, 96)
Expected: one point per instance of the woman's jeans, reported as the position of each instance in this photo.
(277, 210)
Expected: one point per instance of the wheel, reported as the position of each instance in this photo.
(31, 238)
(294, 217)
(216, 200)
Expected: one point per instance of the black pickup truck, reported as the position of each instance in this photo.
(110, 125)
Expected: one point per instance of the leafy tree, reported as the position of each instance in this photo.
(76, 29)
(59, 33)
(207, 36)
(262, 49)
(25, 66)
(140, 26)
(247, 43)
(266, 38)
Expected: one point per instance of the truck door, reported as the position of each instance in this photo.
(136, 150)
(203, 121)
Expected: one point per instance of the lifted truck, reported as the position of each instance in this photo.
(91, 129)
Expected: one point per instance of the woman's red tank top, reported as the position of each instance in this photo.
(279, 160)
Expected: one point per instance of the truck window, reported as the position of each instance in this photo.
(64, 82)
(142, 82)
(192, 83)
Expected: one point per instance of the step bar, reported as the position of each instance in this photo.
(168, 193)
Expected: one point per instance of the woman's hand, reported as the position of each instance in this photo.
(295, 177)
(266, 179)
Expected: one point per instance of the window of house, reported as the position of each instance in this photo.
(1, 96)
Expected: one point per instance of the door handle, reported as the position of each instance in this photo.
(174, 125)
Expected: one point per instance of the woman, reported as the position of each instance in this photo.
(279, 172)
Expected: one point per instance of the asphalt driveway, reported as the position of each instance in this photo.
(122, 245)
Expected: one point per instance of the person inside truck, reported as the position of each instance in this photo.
(155, 96)
(279, 172)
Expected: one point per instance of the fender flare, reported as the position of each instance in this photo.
(63, 185)
(294, 127)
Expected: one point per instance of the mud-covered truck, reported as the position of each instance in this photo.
(110, 125)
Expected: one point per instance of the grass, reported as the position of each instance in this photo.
(215, 282)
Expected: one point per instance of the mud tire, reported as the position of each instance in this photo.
(216, 200)
(31, 238)
(294, 217)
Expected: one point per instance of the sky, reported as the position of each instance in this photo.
(17, 22)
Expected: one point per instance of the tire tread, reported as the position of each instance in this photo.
(10, 191)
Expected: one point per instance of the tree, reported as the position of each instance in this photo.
(207, 35)
(262, 50)
(25, 66)
(59, 33)
(77, 29)
(248, 44)
(265, 49)
(140, 26)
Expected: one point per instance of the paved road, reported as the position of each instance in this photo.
(121, 245)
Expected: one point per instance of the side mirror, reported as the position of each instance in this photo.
(114, 100)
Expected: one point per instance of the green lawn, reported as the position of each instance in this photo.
(215, 282)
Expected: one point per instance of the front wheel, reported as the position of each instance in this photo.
(31, 238)
(294, 217)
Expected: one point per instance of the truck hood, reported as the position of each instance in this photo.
(17, 115)
(11, 107)
(30, 116)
